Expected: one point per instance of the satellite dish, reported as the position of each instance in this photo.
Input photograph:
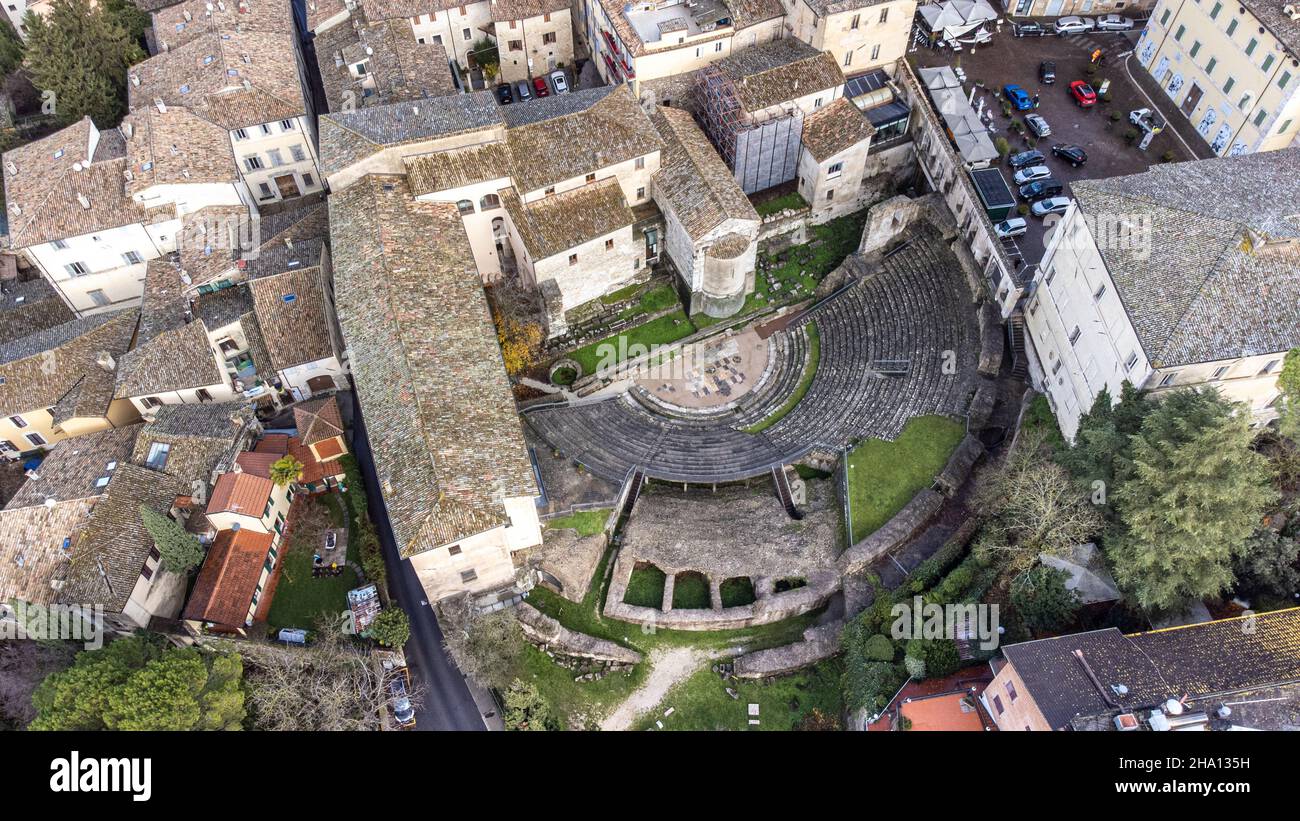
(1174, 707)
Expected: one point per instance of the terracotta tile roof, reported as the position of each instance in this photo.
(242, 493)
(186, 21)
(257, 463)
(329, 448)
(110, 551)
(609, 129)
(835, 128)
(292, 316)
(207, 75)
(443, 170)
(746, 13)
(1213, 263)
(554, 224)
(58, 367)
(223, 592)
(427, 366)
(176, 147)
(782, 70)
(398, 68)
(277, 443)
(318, 420)
(504, 10)
(313, 469)
(53, 192)
(29, 307)
(693, 180)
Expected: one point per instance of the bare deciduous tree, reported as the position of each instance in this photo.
(486, 647)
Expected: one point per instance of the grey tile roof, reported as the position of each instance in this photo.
(318, 11)
(186, 21)
(110, 551)
(835, 128)
(746, 13)
(776, 72)
(202, 437)
(427, 367)
(279, 257)
(822, 8)
(58, 365)
(1212, 271)
(1199, 660)
(560, 222)
(176, 147)
(405, 9)
(1286, 29)
(29, 307)
(611, 129)
(503, 10)
(291, 314)
(32, 555)
(693, 180)
(348, 137)
(75, 466)
(399, 68)
(442, 170)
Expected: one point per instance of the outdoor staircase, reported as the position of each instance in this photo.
(638, 481)
(782, 483)
(1016, 330)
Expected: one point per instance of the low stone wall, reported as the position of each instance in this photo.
(819, 644)
(981, 406)
(549, 634)
(893, 533)
(960, 464)
(783, 229)
(992, 340)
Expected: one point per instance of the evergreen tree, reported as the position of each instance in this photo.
(1103, 437)
(1288, 382)
(390, 628)
(1041, 600)
(526, 709)
(1188, 497)
(11, 49)
(180, 550)
(1268, 565)
(79, 54)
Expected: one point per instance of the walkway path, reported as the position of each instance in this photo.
(668, 667)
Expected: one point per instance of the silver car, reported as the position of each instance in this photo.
(1038, 125)
(1075, 25)
(1051, 205)
(1034, 172)
(559, 81)
(1114, 22)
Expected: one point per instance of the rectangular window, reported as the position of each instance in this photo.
(468, 576)
(548, 38)
(297, 153)
(454, 550)
(98, 297)
(18, 421)
(151, 402)
(830, 195)
(1164, 18)
(1250, 47)
(1209, 67)
(1131, 361)
(1214, 12)
(875, 51)
(276, 157)
(76, 269)
(308, 181)
(1268, 63)
(1286, 126)
(997, 704)
(848, 58)
(591, 178)
(717, 46)
(467, 34)
(1269, 367)
(1196, 46)
(59, 245)
(253, 163)
(158, 453)
(1219, 372)
(853, 24)
(36, 439)
(516, 45)
(1178, 35)
(1260, 118)
(640, 163)
(264, 190)
(1011, 690)
(1231, 26)
(1100, 292)
(609, 245)
(573, 259)
(1075, 334)
(266, 129)
(884, 15)
(286, 125)
(640, 193)
(1168, 379)
(241, 134)
(132, 258)
(1227, 87)
(835, 169)
(1284, 79)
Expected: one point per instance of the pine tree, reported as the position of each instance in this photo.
(1042, 601)
(1190, 494)
(79, 54)
(11, 49)
(181, 551)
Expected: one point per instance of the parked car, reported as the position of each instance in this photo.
(1019, 98)
(1072, 154)
(524, 92)
(1047, 72)
(400, 700)
(1025, 158)
(1038, 189)
(1013, 227)
(504, 95)
(1147, 120)
(1038, 125)
(560, 82)
(1051, 205)
(1033, 172)
(1075, 25)
(1030, 28)
(1083, 94)
(539, 85)
(1114, 22)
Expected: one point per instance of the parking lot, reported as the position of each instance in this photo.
(532, 88)
(1008, 59)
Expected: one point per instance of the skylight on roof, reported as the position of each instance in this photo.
(185, 89)
(207, 60)
(290, 298)
(58, 154)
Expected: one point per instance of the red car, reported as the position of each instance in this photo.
(539, 83)
(1083, 94)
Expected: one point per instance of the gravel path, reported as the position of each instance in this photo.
(667, 668)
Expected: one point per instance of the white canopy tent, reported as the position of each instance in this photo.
(952, 19)
(968, 132)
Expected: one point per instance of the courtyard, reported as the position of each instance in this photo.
(1015, 60)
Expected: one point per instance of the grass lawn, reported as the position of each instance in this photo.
(691, 592)
(656, 299)
(737, 592)
(805, 382)
(884, 476)
(646, 587)
(701, 701)
(776, 204)
(586, 522)
(621, 294)
(662, 331)
(578, 704)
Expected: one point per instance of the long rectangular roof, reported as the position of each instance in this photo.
(428, 370)
(693, 179)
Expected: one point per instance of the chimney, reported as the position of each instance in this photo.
(85, 202)
(162, 107)
(105, 360)
(128, 130)
(135, 80)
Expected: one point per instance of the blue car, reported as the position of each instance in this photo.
(1018, 97)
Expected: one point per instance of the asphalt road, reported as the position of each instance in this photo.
(447, 703)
